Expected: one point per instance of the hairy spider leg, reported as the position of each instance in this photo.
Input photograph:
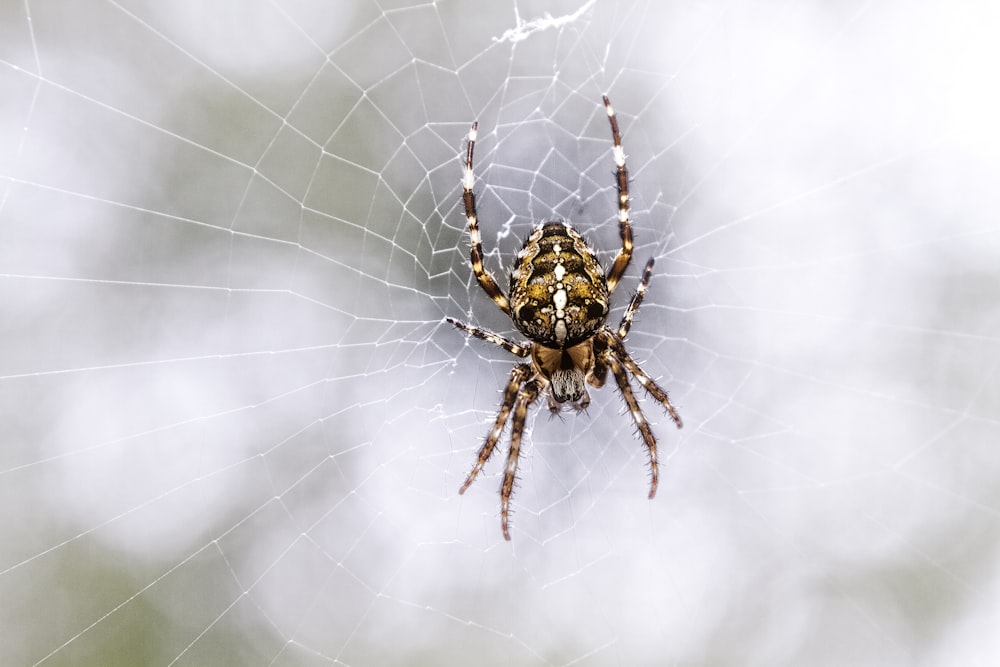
(485, 334)
(618, 347)
(653, 389)
(633, 305)
(518, 376)
(525, 398)
(617, 269)
(621, 378)
(483, 276)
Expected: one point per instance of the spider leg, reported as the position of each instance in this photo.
(621, 378)
(654, 390)
(490, 337)
(599, 373)
(524, 400)
(617, 269)
(518, 375)
(483, 276)
(618, 347)
(633, 305)
(617, 350)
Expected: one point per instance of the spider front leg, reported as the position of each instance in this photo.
(518, 376)
(621, 378)
(611, 354)
(653, 389)
(618, 347)
(524, 401)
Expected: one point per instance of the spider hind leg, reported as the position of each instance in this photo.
(483, 276)
(617, 269)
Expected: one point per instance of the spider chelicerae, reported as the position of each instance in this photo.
(558, 298)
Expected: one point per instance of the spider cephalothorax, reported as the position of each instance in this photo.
(559, 300)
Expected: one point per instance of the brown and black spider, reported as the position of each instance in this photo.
(559, 300)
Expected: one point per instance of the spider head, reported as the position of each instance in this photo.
(566, 371)
(568, 385)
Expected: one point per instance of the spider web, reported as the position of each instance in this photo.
(235, 424)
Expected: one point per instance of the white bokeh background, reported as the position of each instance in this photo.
(234, 423)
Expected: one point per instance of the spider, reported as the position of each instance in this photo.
(558, 298)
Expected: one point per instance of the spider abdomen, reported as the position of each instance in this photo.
(558, 290)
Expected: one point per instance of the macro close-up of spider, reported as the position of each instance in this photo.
(559, 298)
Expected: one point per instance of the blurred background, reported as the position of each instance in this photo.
(234, 423)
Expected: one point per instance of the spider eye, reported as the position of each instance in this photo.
(567, 385)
